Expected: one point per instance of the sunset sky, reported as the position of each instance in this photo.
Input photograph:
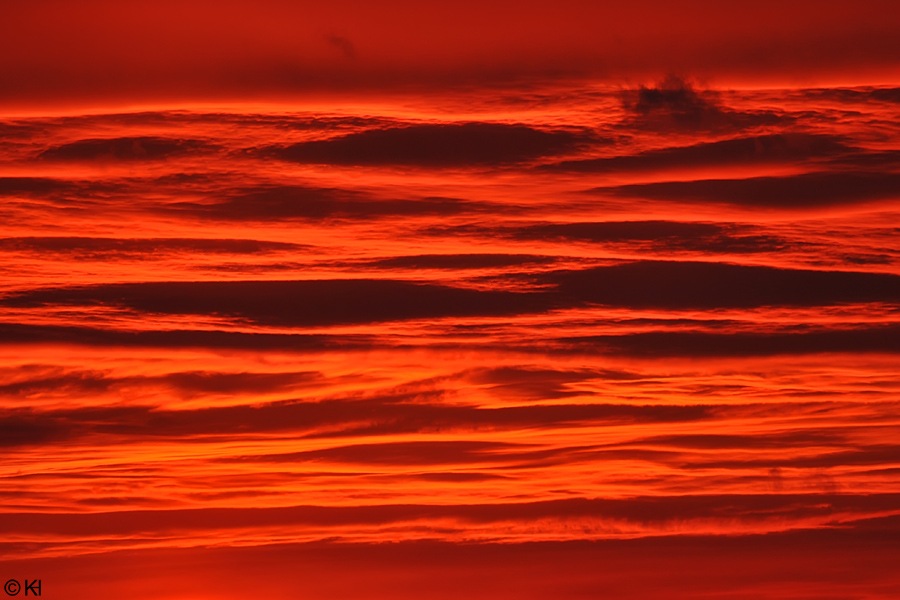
(398, 300)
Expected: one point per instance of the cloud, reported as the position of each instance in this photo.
(675, 104)
(109, 248)
(538, 384)
(784, 440)
(866, 161)
(386, 415)
(760, 149)
(618, 231)
(436, 145)
(194, 119)
(886, 94)
(123, 148)
(35, 382)
(410, 453)
(23, 429)
(641, 284)
(807, 190)
(876, 454)
(73, 383)
(293, 303)
(19, 130)
(460, 261)
(879, 338)
(652, 343)
(665, 235)
(638, 510)
(854, 95)
(674, 285)
(273, 202)
(211, 382)
(20, 333)
(31, 185)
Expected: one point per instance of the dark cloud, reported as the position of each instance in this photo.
(637, 510)
(867, 259)
(98, 248)
(807, 190)
(31, 185)
(211, 382)
(643, 284)
(674, 285)
(618, 231)
(667, 235)
(884, 338)
(878, 454)
(674, 103)
(672, 94)
(17, 333)
(390, 418)
(24, 429)
(538, 384)
(72, 383)
(457, 477)
(436, 145)
(162, 119)
(41, 426)
(25, 130)
(461, 261)
(771, 148)
(28, 427)
(407, 413)
(274, 202)
(294, 303)
(654, 343)
(124, 148)
(865, 161)
(886, 94)
(31, 382)
(780, 440)
(421, 453)
(854, 95)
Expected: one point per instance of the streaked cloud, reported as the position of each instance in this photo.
(513, 330)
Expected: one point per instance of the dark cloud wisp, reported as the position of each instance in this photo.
(680, 285)
(296, 303)
(124, 148)
(436, 145)
(761, 149)
(807, 190)
(92, 247)
(674, 104)
(274, 202)
(667, 235)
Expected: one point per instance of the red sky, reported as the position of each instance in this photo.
(395, 301)
(111, 52)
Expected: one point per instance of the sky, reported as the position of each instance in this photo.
(494, 300)
(102, 53)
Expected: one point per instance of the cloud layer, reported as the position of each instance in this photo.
(499, 337)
